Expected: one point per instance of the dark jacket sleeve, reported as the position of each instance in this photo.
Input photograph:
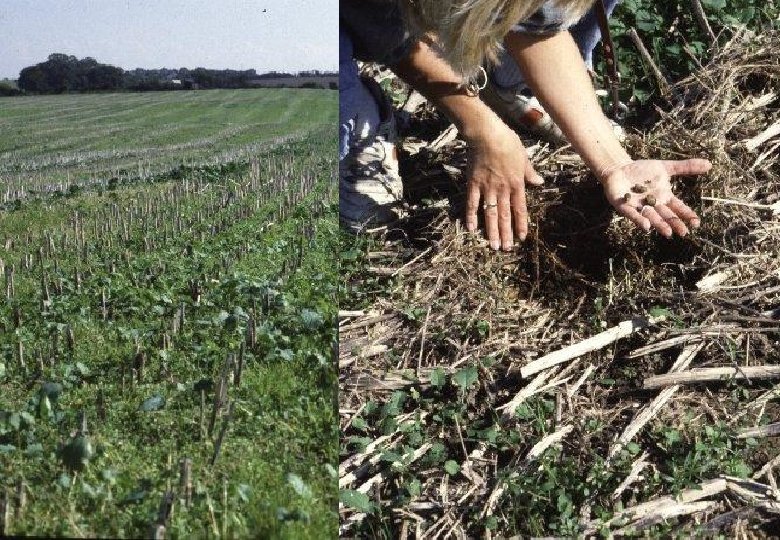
(377, 30)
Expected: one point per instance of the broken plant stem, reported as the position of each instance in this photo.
(713, 374)
(599, 341)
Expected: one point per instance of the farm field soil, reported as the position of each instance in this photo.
(449, 430)
(167, 340)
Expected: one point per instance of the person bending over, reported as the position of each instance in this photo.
(438, 46)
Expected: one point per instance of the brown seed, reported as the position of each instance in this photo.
(650, 200)
(638, 189)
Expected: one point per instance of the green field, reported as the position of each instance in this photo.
(51, 142)
(168, 301)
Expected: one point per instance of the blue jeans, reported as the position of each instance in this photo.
(358, 112)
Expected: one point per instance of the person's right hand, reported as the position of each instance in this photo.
(498, 170)
(642, 192)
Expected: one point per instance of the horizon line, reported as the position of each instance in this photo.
(332, 71)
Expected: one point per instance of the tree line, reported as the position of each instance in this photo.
(62, 73)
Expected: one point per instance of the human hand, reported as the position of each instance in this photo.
(498, 170)
(642, 192)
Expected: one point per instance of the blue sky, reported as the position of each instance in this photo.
(292, 35)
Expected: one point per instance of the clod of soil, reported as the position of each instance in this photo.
(638, 189)
(650, 200)
(626, 197)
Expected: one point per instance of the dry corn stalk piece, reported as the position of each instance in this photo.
(664, 513)
(634, 475)
(703, 375)
(595, 343)
(534, 454)
(650, 410)
(705, 490)
(771, 430)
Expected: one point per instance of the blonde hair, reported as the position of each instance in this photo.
(470, 31)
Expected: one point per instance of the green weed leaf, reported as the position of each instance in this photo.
(356, 500)
(438, 377)
(244, 492)
(298, 485)
(451, 467)
(466, 377)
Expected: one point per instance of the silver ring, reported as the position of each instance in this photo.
(491, 205)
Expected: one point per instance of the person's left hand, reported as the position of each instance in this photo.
(499, 169)
(642, 192)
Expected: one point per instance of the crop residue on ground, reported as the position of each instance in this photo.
(600, 381)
